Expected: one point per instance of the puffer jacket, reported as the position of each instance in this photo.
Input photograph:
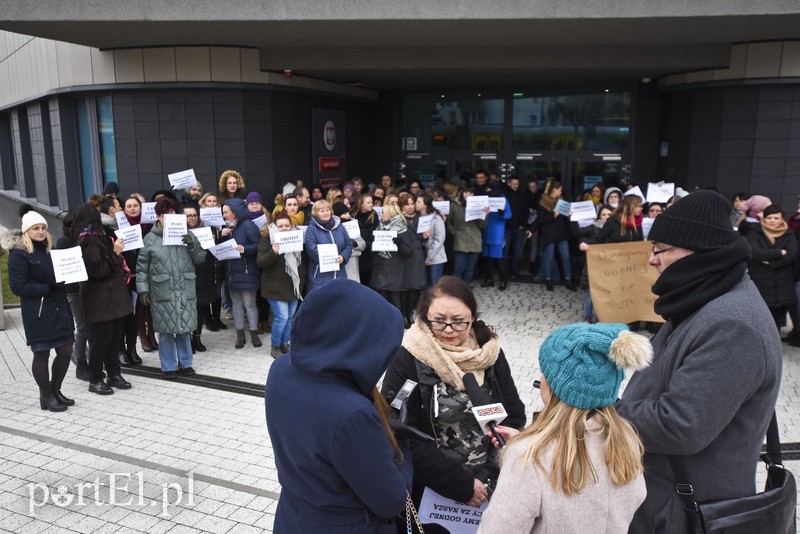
(168, 274)
(243, 274)
(46, 315)
(317, 235)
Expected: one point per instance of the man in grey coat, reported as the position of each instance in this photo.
(709, 395)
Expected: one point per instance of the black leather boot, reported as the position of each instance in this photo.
(134, 356)
(60, 396)
(549, 285)
(48, 401)
(239, 339)
(571, 285)
(124, 359)
(198, 344)
(194, 344)
(254, 338)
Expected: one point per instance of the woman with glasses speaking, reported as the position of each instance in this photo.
(447, 341)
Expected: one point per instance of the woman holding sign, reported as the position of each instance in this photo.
(447, 341)
(167, 284)
(553, 232)
(324, 263)
(283, 276)
(46, 314)
(105, 300)
(242, 274)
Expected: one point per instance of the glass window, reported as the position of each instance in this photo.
(453, 122)
(572, 122)
(108, 151)
(85, 148)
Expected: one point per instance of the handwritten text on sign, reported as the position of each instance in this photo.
(621, 281)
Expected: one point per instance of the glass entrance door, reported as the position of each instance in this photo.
(576, 172)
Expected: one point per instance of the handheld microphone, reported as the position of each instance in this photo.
(487, 413)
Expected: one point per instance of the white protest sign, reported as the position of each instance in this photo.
(182, 180)
(424, 224)
(475, 206)
(212, 216)
(378, 210)
(497, 203)
(131, 237)
(204, 236)
(148, 213)
(291, 241)
(227, 250)
(456, 517)
(563, 207)
(660, 192)
(443, 206)
(383, 241)
(68, 265)
(174, 228)
(583, 211)
(260, 221)
(635, 191)
(302, 228)
(122, 220)
(328, 253)
(352, 229)
(647, 224)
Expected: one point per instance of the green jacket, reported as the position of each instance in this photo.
(167, 274)
(467, 236)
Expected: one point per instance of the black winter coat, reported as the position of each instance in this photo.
(276, 284)
(551, 229)
(104, 296)
(611, 232)
(431, 467)
(414, 274)
(367, 223)
(46, 315)
(773, 272)
(388, 273)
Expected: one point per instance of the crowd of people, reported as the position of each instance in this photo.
(346, 460)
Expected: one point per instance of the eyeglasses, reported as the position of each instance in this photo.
(657, 252)
(191, 216)
(457, 326)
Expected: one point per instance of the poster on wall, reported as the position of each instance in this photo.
(328, 147)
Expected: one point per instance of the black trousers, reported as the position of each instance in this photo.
(105, 338)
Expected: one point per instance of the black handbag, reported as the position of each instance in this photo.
(771, 511)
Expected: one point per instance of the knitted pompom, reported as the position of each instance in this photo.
(25, 208)
(631, 351)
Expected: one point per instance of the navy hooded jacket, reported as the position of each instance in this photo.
(334, 462)
(243, 273)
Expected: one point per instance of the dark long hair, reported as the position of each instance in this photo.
(453, 286)
(86, 217)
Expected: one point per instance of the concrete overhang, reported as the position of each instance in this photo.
(417, 44)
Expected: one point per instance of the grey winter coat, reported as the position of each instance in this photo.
(708, 397)
(168, 274)
(434, 246)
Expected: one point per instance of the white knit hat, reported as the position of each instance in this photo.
(31, 219)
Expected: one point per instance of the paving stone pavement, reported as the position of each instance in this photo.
(174, 457)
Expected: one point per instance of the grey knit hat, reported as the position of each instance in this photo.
(700, 221)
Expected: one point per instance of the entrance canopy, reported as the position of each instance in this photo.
(417, 44)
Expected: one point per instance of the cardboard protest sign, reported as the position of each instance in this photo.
(621, 281)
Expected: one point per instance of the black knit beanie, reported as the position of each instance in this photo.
(700, 221)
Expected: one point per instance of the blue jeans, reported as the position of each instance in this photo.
(227, 302)
(434, 273)
(548, 254)
(171, 344)
(282, 324)
(464, 265)
(515, 241)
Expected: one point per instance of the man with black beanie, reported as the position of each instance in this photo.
(707, 399)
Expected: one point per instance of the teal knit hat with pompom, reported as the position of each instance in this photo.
(584, 364)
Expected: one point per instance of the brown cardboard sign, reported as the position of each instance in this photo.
(621, 281)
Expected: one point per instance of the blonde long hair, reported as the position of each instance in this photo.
(27, 242)
(563, 427)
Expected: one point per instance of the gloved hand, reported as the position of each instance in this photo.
(55, 286)
(188, 241)
(144, 298)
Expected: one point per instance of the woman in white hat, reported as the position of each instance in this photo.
(46, 314)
